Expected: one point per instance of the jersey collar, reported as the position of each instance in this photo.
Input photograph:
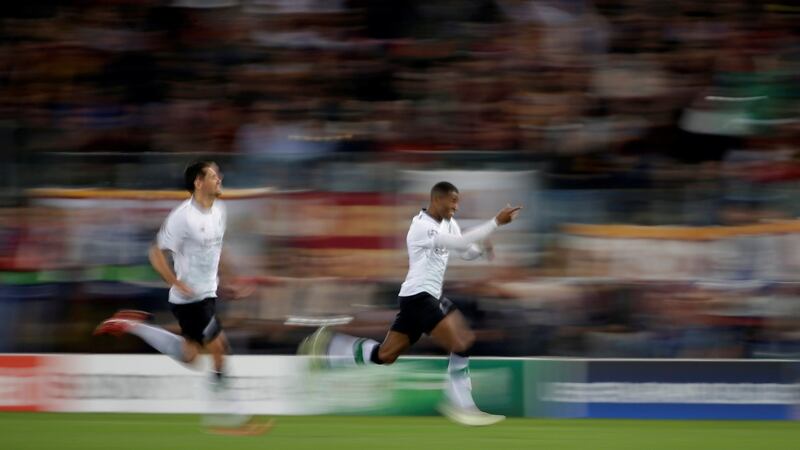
(424, 212)
(198, 207)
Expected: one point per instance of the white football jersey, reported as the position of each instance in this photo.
(427, 262)
(194, 236)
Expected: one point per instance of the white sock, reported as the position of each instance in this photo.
(459, 385)
(160, 339)
(348, 350)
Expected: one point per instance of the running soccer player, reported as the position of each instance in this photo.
(192, 233)
(433, 235)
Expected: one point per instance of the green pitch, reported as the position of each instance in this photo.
(23, 431)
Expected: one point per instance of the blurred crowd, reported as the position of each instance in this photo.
(622, 111)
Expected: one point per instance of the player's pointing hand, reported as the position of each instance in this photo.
(507, 214)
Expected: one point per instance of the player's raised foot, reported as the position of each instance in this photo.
(133, 314)
(121, 322)
(472, 417)
(114, 327)
(316, 346)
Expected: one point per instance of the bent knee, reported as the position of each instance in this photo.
(189, 355)
(191, 350)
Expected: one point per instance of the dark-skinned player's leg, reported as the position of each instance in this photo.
(454, 335)
(342, 350)
(336, 349)
(393, 345)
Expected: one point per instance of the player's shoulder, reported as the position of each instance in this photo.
(181, 207)
(180, 210)
(422, 225)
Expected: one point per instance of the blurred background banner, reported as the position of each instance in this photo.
(20, 383)
(754, 390)
(764, 251)
(516, 387)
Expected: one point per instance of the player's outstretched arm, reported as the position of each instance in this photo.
(475, 251)
(479, 233)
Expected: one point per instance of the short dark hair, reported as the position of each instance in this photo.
(194, 170)
(443, 188)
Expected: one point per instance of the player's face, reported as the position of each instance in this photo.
(212, 181)
(448, 205)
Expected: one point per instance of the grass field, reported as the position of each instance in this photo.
(23, 431)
